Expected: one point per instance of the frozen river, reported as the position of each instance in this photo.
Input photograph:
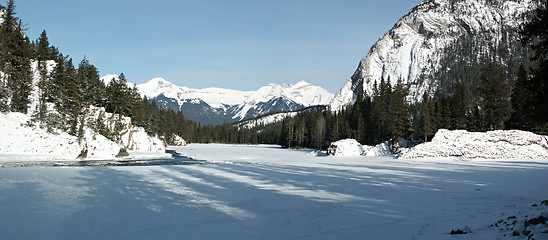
(265, 192)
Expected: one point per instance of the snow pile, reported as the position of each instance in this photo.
(345, 147)
(508, 144)
(20, 138)
(382, 149)
(351, 147)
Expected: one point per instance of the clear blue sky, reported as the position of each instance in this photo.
(236, 44)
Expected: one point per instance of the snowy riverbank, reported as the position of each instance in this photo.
(21, 140)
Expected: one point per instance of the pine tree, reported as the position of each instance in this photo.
(399, 114)
(43, 49)
(520, 99)
(15, 55)
(459, 107)
(425, 123)
(495, 95)
(535, 34)
(91, 88)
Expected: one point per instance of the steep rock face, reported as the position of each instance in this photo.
(217, 106)
(413, 49)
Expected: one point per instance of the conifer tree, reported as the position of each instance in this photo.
(15, 54)
(425, 123)
(399, 117)
(43, 50)
(535, 34)
(459, 107)
(495, 95)
(520, 99)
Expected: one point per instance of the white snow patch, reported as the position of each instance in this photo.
(501, 144)
(345, 147)
(351, 147)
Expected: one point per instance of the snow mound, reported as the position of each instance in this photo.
(501, 144)
(345, 147)
(351, 147)
(382, 149)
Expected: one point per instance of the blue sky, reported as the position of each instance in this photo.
(237, 44)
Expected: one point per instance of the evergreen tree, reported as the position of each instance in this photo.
(459, 107)
(91, 88)
(495, 95)
(399, 114)
(520, 99)
(15, 55)
(535, 34)
(43, 50)
(425, 123)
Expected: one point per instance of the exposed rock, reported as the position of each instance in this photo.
(83, 153)
(534, 221)
(123, 153)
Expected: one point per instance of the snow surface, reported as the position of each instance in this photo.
(266, 192)
(501, 144)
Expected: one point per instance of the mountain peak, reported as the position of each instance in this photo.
(301, 83)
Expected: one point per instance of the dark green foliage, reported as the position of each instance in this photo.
(535, 35)
(92, 89)
(15, 55)
(520, 99)
(495, 95)
(424, 125)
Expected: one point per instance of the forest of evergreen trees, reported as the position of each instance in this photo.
(491, 102)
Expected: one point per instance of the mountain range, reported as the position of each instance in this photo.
(214, 106)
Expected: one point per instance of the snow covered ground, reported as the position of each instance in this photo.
(265, 192)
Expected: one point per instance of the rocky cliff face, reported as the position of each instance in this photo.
(415, 49)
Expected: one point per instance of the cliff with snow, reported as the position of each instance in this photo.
(415, 49)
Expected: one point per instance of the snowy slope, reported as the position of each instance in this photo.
(219, 105)
(412, 49)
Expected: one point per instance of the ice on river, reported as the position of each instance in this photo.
(265, 192)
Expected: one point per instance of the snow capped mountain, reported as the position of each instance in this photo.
(413, 49)
(217, 105)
